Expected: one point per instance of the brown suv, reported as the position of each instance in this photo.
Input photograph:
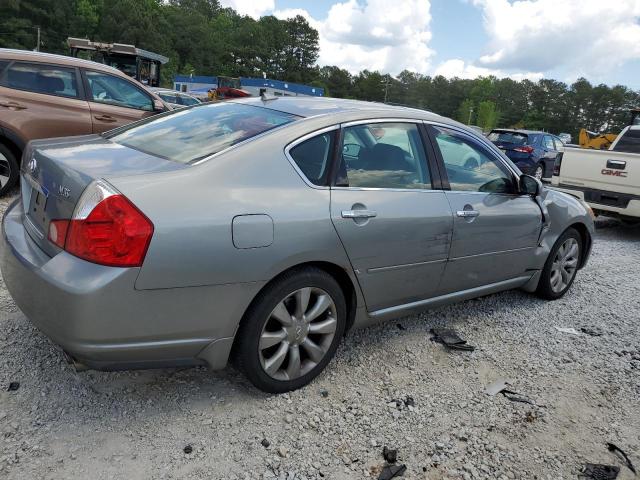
(44, 95)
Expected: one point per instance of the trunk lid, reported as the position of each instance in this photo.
(55, 172)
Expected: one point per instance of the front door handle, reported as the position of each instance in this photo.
(12, 105)
(105, 118)
(358, 214)
(467, 213)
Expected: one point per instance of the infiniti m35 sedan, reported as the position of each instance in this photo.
(262, 230)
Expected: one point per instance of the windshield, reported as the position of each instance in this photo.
(194, 133)
(508, 137)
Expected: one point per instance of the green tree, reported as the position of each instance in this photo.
(465, 112)
(487, 115)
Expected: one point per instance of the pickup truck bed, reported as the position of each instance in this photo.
(608, 180)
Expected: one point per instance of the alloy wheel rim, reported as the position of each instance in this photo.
(5, 170)
(564, 265)
(298, 333)
(538, 173)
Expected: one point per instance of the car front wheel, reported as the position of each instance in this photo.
(291, 331)
(561, 267)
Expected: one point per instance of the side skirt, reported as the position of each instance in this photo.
(421, 305)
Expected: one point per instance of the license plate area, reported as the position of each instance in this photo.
(35, 203)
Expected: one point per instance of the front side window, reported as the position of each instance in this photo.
(313, 157)
(469, 167)
(383, 155)
(548, 142)
(105, 88)
(188, 135)
(50, 80)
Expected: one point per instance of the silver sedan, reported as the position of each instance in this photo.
(263, 230)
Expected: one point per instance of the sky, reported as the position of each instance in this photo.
(559, 39)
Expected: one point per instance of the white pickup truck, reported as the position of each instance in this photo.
(608, 180)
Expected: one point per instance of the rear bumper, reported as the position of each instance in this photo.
(96, 315)
(607, 202)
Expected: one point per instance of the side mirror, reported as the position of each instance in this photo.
(158, 106)
(351, 149)
(530, 185)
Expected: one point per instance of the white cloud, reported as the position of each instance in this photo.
(579, 37)
(253, 8)
(374, 35)
(456, 67)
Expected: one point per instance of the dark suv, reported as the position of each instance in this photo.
(44, 95)
(533, 152)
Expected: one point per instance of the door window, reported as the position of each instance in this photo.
(470, 167)
(45, 79)
(168, 97)
(313, 157)
(559, 144)
(383, 155)
(113, 90)
(548, 143)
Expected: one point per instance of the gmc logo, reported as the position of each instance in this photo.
(614, 173)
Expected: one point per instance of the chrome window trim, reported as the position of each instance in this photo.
(298, 141)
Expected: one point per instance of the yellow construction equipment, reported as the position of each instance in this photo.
(602, 141)
(596, 141)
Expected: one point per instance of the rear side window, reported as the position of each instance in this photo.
(105, 88)
(383, 155)
(629, 142)
(3, 65)
(514, 138)
(187, 100)
(50, 80)
(313, 157)
(189, 135)
(168, 97)
(548, 142)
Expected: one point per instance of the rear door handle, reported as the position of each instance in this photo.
(13, 105)
(467, 213)
(358, 214)
(105, 118)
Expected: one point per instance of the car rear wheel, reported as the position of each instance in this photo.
(291, 331)
(539, 171)
(561, 267)
(8, 169)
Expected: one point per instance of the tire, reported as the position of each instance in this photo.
(539, 171)
(9, 170)
(550, 287)
(278, 350)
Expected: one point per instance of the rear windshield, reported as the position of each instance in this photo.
(508, 137)
(191, 134)
(629, 142)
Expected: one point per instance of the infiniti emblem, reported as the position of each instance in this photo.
(32, 165)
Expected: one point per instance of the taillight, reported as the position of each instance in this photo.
(524, 149)
(557, 165)
(106, 228)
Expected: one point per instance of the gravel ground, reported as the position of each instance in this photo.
(60, 424)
